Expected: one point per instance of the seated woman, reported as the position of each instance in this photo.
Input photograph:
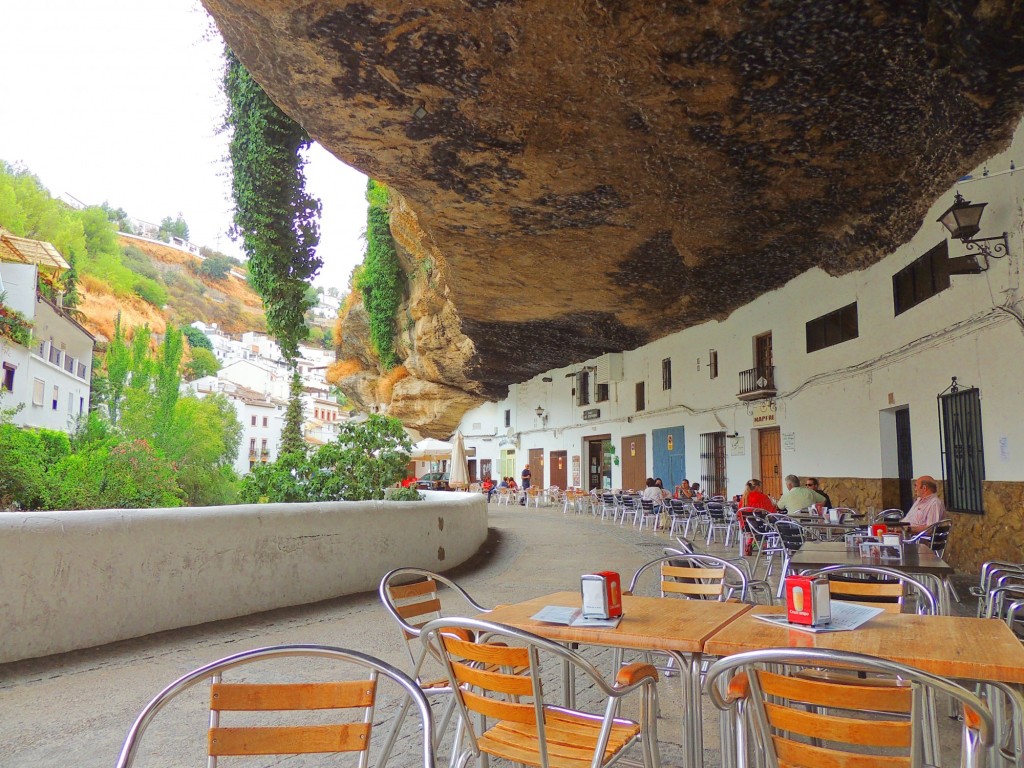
(684, 492)
(653, 492)
(753, 496)
(664, 494)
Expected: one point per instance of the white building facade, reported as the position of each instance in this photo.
(848, 379)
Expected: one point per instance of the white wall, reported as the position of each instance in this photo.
(828, 400)
(78, 579)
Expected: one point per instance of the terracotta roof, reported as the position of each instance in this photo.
(36, 252)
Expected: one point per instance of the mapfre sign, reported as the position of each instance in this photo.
(764, 414)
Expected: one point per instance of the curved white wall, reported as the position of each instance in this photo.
(78, 579)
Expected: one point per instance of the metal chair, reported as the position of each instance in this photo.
(692, 576)
(498, 677)
(649, 514)
(878, 586)
(717, 521)
(890, 516)
(992, 573)
(351, 735)
(798, 719)
(758, 590)
(412, 597)
(791, 537)
(629, 507)
(936, 536)
(681, 513)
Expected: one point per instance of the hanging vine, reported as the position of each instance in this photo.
(380, 279)
(276, 218)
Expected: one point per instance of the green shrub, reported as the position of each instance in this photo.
(380, 279)
(150, 291)
(402, 494)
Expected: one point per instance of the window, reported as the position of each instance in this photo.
(833, 328)
(601, 395)
(962, 449)
(8, 380)
(263, 446)
(641, 399)
(921, 279)
(55, 355)
(37, 391)
(583, 388)
(253, 421)
(81, 370)
(713, 479)
(42, 349)
(713, 363)
(69, 364)
(666, 373)
(71, 403)
(508, 418)
(81, 406)
(56, 395)
(252, 445)
(266, 421)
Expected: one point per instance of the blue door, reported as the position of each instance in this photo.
(669, 456)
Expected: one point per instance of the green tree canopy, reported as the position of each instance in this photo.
(196, 338)
(202, 363)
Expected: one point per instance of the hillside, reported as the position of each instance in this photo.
(230, 303)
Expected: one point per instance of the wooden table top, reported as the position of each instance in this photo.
(951, 646)
(648, 623)
(820, 554)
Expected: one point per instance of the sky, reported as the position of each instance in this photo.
(119, 101)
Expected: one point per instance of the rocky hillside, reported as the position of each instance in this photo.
(230, 302)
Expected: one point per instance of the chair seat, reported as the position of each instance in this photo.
(571, 740)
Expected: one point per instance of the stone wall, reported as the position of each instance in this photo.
(78, 579)
(996, 535)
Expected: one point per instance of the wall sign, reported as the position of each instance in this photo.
(632, 448)
(670, 441)
(576, 471)
(764, 414)
(789, 441)
(592, 413)
(738, 446)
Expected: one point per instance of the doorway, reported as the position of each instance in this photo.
(763, 357)
(904, 458)
(634, 462)
(560, 469)
(598, 455)
(669, 455)
(769, 443)
(537, 467)
(713, 479)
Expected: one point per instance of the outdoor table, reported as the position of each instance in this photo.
(966, 648)
(677, 627)
(920, 560)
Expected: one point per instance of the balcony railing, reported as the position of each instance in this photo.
(757, 383)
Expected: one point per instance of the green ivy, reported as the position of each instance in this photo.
(380, 279)
(14, 325)
(276, 218)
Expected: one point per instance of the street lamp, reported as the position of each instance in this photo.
(963, 220)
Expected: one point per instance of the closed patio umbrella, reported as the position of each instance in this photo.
(459, 472)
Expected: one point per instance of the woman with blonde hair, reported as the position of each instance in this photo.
(753, 496)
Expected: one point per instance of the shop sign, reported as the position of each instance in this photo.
(591, 413)
(764, 414)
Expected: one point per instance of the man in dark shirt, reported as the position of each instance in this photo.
(812, 483)
(527, 476)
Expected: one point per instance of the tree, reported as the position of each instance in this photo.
(365, 459)
(118, 363)
(291, 432)
(118, 217)
(217, 267)
(202, 363)
(172, 228)
(196, 338)
(276, 218)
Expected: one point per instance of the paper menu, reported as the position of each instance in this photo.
(572, 617)
(845, 616)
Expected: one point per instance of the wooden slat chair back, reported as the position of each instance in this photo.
(695, 577)
(806, 720)
(347, 706)
(878, 587)
(498, 678)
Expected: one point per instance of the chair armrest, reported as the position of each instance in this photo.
(631, 674)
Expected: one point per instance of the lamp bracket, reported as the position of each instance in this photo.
(999, 250)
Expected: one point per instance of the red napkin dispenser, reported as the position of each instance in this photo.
(602, 595)
(807, 600)
(878, 530)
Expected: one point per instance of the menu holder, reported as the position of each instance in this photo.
(879, 550)
(845, 616)
(573, 617)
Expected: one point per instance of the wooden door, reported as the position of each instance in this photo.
(560, 469)
(770, 447)
(763, 356)
(537, 467)
(634, 462)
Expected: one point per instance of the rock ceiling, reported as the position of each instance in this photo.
(583, 176)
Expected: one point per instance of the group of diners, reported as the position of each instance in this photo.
(927, 509)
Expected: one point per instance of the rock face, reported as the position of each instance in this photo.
(586, 177)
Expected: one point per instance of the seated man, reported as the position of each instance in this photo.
(812, 483)
(928, 509)
(797, 497)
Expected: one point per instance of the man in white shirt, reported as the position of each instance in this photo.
(928, 509)
(797, 497)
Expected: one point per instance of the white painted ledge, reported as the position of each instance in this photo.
(79, 579)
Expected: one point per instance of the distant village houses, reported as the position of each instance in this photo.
(48, 372)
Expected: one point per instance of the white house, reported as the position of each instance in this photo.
(867, 380)
(261, 417)
(259, 376)
(50, 379)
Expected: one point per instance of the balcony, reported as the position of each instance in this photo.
(757, 383)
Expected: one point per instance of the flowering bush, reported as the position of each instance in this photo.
(13, 325)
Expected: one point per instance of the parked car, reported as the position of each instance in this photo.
(433, 481)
